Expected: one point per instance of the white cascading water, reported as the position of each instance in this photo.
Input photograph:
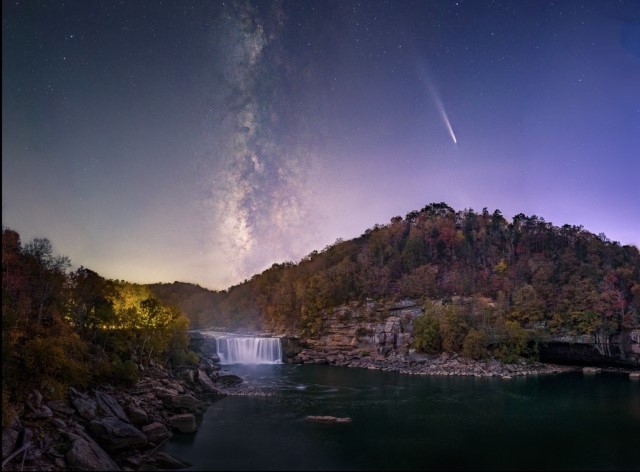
(249, 350)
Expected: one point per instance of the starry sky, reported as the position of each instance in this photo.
(202, 141)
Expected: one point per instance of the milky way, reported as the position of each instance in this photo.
(260, 186)
(204, 141)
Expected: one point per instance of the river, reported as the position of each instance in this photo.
(404, 422)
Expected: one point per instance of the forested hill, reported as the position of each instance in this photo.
(199, 304)
(527, 270)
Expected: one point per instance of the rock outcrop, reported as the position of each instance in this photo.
(107, 428)
(355, 331)
(365, 333)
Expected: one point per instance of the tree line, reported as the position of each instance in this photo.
(527, 272)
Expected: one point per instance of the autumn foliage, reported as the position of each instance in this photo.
(525, 271)
(62, 328)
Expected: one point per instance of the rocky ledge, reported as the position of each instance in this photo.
(424, 364)
(113, 428)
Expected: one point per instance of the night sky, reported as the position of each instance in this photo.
(203, 141)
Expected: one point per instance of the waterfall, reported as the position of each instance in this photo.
(248, 350)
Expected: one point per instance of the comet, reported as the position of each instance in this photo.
(445, 118)
(435, 96)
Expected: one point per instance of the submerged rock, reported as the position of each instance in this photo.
(184, 402)
(328, 419)
(167, 461)
(228, 380)
(591, 370)
(185, 423)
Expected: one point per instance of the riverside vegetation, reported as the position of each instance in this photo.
(486, 289)
(67, 332)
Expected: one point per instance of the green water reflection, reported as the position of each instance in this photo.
(400, 422)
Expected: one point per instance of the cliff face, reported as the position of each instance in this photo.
(376, 330)
(622, 348)
(362, 330)
(354, 331)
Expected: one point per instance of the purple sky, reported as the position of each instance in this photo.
(203, 141)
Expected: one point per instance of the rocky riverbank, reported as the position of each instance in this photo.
(116, 428)
(111, 428)
(415, 363)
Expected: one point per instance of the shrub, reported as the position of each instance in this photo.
(57, 362)
(453, 329)
(514, 343)
(183, 357)
(125, 373)
(475, 344)
(426, 334)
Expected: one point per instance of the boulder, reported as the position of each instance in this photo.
(36, 409)
(110, 406)
(9, 441)
(84, 405)
(137, 415)
(87, 455)
(115, 434)
(184, 402)
(206, 382)
(185, 423)
(156, 432)
(228, 380)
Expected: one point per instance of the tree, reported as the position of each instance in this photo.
(426, 333)
(91, 301)
(47, 277)
(513, 342)
(475, 344)
(527, 305)
(453, 328)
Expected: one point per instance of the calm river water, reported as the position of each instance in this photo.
(401, 422)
